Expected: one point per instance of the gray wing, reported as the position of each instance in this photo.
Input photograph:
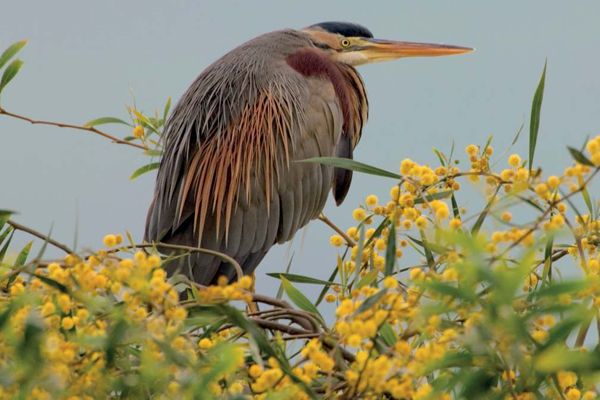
(266, 216)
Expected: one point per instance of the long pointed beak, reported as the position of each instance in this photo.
(377, 49)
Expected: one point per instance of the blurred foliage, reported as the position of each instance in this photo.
(497, 307)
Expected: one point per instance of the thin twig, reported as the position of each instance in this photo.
(71, 126)
(40, 235)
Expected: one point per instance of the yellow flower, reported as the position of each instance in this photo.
(371, 200)
(421, 223)
(442, 212)
(205, 343)
(138, 131)
(255, 371)
(506, 216)
(359, 214)
(573, 394)
(390, 282)
(110, 240)
(67, 323)
(330, 297)
(514, 160)
(48, 309)
(471, 149)
(336, 240)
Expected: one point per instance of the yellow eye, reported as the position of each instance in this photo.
(345, 42)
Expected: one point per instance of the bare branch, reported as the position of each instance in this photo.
(71, 126)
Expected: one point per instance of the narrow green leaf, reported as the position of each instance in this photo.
(534, 123)
(387, 334)
(11, 71)
(390, 252)
(143, 170)
(370, 301)
(22, 257)
(4, 217)
(153, 153)
(436, 248)
(166, 111)
(106, 120)
(367, 278)
(563, 287)
(299, 278)
(483, 215)
(586, 195)
(326, 288)
(12, 51)
(4, 234)
(440, 156)
(353, 166)
(298, 298)
(115, 336)
(5, 247)
(434, 196)
(378, 231)
(287, 270)
(455, 210)
(579, 157)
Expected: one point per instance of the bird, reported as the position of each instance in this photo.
(230, 179)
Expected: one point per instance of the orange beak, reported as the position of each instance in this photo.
(377, 50)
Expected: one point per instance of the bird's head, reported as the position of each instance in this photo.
(354, 45)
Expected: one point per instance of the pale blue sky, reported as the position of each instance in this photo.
(82, 56)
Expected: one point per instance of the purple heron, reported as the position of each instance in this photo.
(228, 180)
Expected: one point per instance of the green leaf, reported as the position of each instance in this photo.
(353, 166)
(22, 257)
(298, 298)
(579, 157)
(106, 120)
(558, 358)
(390, 251)
(387, 334)
(4, 234)
(153, 153)
(370, 301)
(586, 195)
(5, 247)
(166, 111)
(4, 217)
(143, 170)
(115, 336)
(11, 52)
(483, 215)
(559, 288)
(368, 278)
(434, 196)
(326, 288)
(534, 123)
(378, 231)
(11, 71)
(299, 278)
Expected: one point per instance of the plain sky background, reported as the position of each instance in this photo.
(82, 56)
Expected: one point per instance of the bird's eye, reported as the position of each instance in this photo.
(345, 42)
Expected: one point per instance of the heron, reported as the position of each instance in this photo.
(229, 179)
